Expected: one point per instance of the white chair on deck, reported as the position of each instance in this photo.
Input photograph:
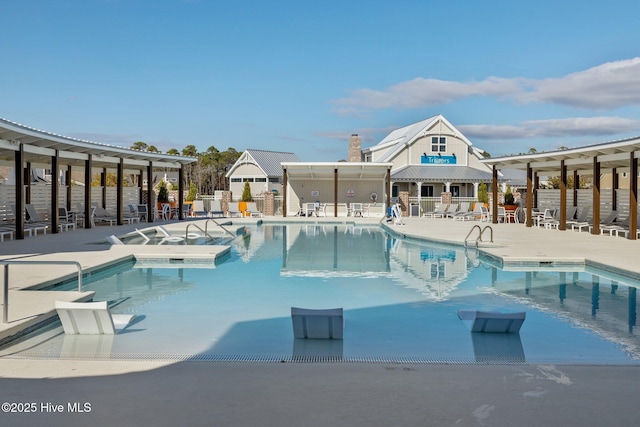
(90, 318)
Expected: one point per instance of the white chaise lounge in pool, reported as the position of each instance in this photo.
(90, 318)
(317, 324)
(491, 321)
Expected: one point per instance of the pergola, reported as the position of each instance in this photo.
(379, 174)
(616, 156)
(23, 147)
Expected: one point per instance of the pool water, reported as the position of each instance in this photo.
(400, 301)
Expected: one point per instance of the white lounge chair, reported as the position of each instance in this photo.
(252, 209)
(489, 321)
(234, 210)
(317, 324)
(90, 318)
(215, 209)
(198, 208)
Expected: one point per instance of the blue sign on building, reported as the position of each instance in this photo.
(438, 160)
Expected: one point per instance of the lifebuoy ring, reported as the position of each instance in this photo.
(374, 196)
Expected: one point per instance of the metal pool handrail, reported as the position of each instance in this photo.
(206, 224)
(6, 263)
(481, 232)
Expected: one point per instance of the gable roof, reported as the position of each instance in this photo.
(403, 137)
(268, 161)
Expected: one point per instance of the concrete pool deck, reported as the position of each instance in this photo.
(337, 394)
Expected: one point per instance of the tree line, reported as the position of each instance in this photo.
(208, 173)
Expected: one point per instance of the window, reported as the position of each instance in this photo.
(438, 144)
(236, 179)
(261, 179)
(455, 190)
(247, 179)
(394, 191)
(274, 180)
(426, 191)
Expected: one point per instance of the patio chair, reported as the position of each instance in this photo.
(65, 220)
(582, 216)
(215, 209)
(317, 324)
(34, 216)
(252, 209)
(439, 211)
(198, 208)
(310, 209)
(234, 210)
(100, 214)
(451, 211)
(492, 322)
(610, 219)
(91, 318)
(357, 209)
(143, 212)
(463, 209)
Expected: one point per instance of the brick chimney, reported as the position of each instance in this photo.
(355, 149)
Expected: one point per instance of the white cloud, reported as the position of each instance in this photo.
(610, 85)
(568, 127)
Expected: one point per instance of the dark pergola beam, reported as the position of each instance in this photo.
(55, 189)
(596, 196)
(19, 175)
(633, 196)
(563, 196)
(88, 166)
(180, 192)
(119, 192)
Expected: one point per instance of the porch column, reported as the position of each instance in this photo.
(475, 190)
(335, 193)
(633, 196)
(284, 193)
(596, 196)
(419, 185)
(447, 187)
(388, 201)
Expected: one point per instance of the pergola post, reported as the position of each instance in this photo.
(633, 196)
(67, 182)
(103, 182)
(88, 166)
(563, 196)
(180, 192)
(19, 172)
(119, 192)
(55, 189)
(596, 196)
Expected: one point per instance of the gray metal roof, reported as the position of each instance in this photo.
(269, 161)
(430, 173)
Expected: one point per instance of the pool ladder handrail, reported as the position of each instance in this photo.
(481, 232)
(6, 263)
(206, 227)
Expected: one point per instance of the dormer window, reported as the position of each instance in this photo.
(438, 144)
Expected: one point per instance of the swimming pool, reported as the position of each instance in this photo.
(400, 300)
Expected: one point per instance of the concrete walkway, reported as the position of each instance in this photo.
(335, 394)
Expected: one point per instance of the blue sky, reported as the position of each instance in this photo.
(303, 76)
